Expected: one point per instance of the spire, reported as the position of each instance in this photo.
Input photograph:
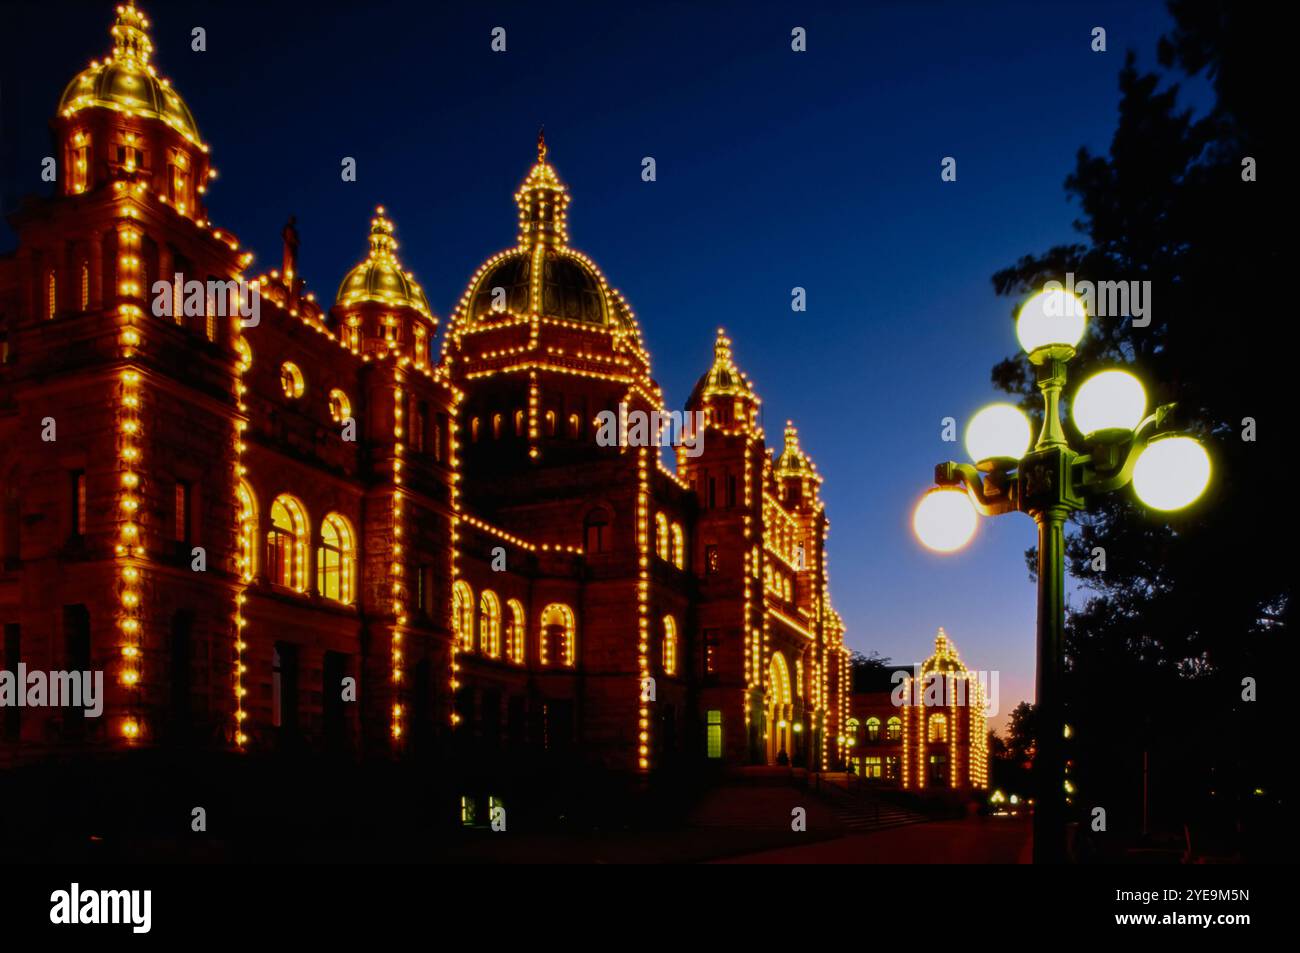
(543, 202)
(131, 43)
(382, 242)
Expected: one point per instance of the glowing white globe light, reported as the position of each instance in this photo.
(945, 519)
(1171, 473)
(1050, 318)
(998, 431)
(1111, 400)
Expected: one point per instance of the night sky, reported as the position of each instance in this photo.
(775, 169)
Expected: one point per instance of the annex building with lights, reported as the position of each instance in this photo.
(922, 730)
(238, 525)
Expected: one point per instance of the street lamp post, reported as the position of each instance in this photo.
(1048, 483)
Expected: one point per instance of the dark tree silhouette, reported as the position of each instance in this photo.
(1191, 604)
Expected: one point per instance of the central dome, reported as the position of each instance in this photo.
(542, 275)
(127, 83)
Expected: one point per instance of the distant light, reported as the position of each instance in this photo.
(1111, 400)
(998, 431)
(945, 519)
(1051, 318)
(1171, 473)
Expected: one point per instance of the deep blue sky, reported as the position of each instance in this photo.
(775, 169)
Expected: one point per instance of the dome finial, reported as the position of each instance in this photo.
(130, 35)
(382, 242)
(543, 202)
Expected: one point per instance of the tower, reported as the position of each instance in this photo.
(121, 328)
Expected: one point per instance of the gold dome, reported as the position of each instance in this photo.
(380, 277)
(126, 82)
(793, 461)
(542, 274)
(945, 658)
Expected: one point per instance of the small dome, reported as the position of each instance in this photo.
(127, 83)
(945, 658)
(380, 277)
(793, 461)
(723, 378)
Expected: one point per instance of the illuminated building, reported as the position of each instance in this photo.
(922, 732)
(239, 523)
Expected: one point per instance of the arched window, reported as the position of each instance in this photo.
(893, 729)
(596, 534)
(938, 729)
(662, 543)
(496, 426)
(852, 730)
(462, 615)
(286, 544)
(550, 423)
(516, 633)
(336, 560)
(557, 636)
(340, 406)
(473, 430)
(670, 646)
(85, 285)
(679, 546)
(873, 729)
(51, 295)
(490, 624)
(247, 517)
(291, 380)
(575, 426)
(519, 423)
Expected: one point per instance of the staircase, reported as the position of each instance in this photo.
(863, 811)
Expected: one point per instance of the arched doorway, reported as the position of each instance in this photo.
(779, 698)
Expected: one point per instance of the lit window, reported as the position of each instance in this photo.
(871, 767)
(335, 560)
(662, 542)
(550, 423)
(519, 423)
(575, 426)
(853, 730)
(873, 729)
(938, 730)
(557, 636)
(893, 729)
(714, 725)
(340, 406)
(670, 646)
(51, 301)
(80, 162)
(516, 633)
(85, 286)
(291, 380)
(473, 430)
(462, 614)
(679, 546)
(490, 624)
(286, 544)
